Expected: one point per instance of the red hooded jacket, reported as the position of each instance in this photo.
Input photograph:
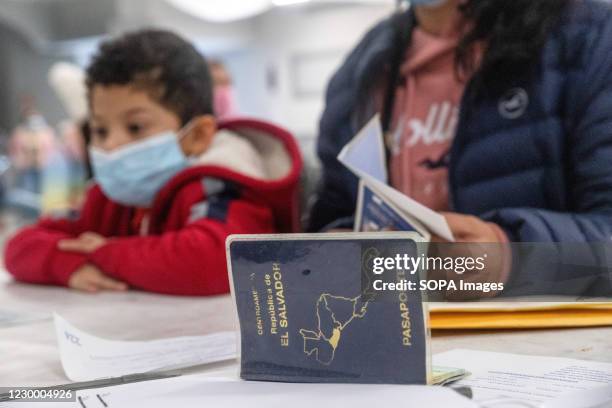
(245, 183)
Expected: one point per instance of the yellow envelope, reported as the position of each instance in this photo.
(519, 315)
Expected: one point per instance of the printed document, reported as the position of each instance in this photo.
(500, 379)
(87, 357)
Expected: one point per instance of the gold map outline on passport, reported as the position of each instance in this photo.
(331, 321)
(323, 343)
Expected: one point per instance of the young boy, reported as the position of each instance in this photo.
(171, 184)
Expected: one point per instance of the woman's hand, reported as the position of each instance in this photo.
(467, 228)
(473, 238)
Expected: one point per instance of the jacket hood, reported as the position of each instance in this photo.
(234, 152)
(262, 159)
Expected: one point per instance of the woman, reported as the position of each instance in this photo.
(497, 112)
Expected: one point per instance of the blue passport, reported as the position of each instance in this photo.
(375, 213)
(307, 311)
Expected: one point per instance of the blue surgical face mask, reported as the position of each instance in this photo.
(427, 3)
(133, 174)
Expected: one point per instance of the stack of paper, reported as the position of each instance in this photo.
(497, 380)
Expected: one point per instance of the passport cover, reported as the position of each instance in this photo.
(375, 213)
(306, 316)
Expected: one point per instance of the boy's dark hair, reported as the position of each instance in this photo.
(159, 62)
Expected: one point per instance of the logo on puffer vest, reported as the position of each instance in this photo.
(513, 104)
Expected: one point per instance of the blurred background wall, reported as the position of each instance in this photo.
(280, 58)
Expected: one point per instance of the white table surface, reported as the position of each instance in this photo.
(29, 355)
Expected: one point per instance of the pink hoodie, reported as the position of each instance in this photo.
(425, 119)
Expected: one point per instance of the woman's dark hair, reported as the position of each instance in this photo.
(513, 33)
(160, 62)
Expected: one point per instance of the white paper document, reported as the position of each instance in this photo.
(512, 380)
(365, 157)
(194, 392)
(600, 397)
(87, 357)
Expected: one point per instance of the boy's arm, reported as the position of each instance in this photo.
(32, 254)
(190, 261)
